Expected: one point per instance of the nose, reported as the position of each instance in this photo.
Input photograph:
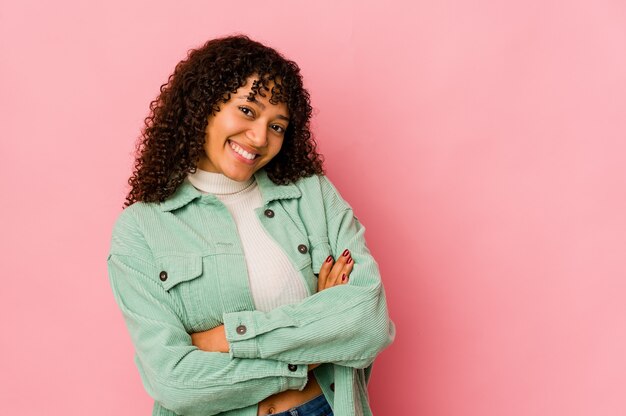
(257, 135)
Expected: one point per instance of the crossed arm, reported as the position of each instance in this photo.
(331, 274)
(189, 374)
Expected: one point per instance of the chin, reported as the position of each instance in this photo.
(239, 176)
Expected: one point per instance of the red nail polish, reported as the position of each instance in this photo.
(349, 260)
(343, 277)
(346, 252)
(328, 259)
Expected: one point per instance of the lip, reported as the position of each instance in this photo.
(241, 158)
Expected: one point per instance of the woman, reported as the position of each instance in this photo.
(242, 275)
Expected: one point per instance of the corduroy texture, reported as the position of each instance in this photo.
(178, 267)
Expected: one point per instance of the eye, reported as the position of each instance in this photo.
(278, 129)
(246, 110)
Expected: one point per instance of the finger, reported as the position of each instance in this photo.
(323, 274)
(347, 269)
(335, 275)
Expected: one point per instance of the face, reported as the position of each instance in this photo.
(244, 135)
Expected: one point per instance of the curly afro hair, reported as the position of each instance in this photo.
(172, 139)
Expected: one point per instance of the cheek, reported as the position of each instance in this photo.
(231, 124)
(212, 144)
(224, 125)
(278, 146)
(207, 140)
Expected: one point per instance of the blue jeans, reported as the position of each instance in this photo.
(314, 407)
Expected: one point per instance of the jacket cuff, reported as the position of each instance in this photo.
(297, 376)
(240, 333)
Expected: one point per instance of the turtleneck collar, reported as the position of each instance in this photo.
(217, 183)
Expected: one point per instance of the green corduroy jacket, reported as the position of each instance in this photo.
(178, 267)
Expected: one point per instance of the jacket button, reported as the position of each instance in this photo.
(302, 249)
(332, 386)
(269, 213)
(292, 367)
(163, 276)
(241, 329)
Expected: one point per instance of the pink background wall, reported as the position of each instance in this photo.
(481, 143)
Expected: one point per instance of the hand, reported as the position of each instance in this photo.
(213, 340)
(335, 273)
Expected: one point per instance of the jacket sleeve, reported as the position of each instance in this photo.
(175, 373)
(347, 324)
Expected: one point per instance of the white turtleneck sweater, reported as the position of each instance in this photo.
(273, 279)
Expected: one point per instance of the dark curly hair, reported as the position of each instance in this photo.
(172, 139)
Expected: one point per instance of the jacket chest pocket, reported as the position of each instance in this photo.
(192, 281)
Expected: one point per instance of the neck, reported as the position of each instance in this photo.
(217, 183)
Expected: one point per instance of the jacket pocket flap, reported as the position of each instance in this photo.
(177, 269)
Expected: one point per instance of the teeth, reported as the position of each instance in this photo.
(242, 152)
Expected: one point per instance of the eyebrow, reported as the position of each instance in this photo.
(260, 104)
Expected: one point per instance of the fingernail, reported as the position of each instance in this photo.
(328, 259)
(346, 252)
(343, 277)
(349, 260)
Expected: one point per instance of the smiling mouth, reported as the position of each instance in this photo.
(243, 153)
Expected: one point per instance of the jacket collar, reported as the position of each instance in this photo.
(270, 191)
(186, 192)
